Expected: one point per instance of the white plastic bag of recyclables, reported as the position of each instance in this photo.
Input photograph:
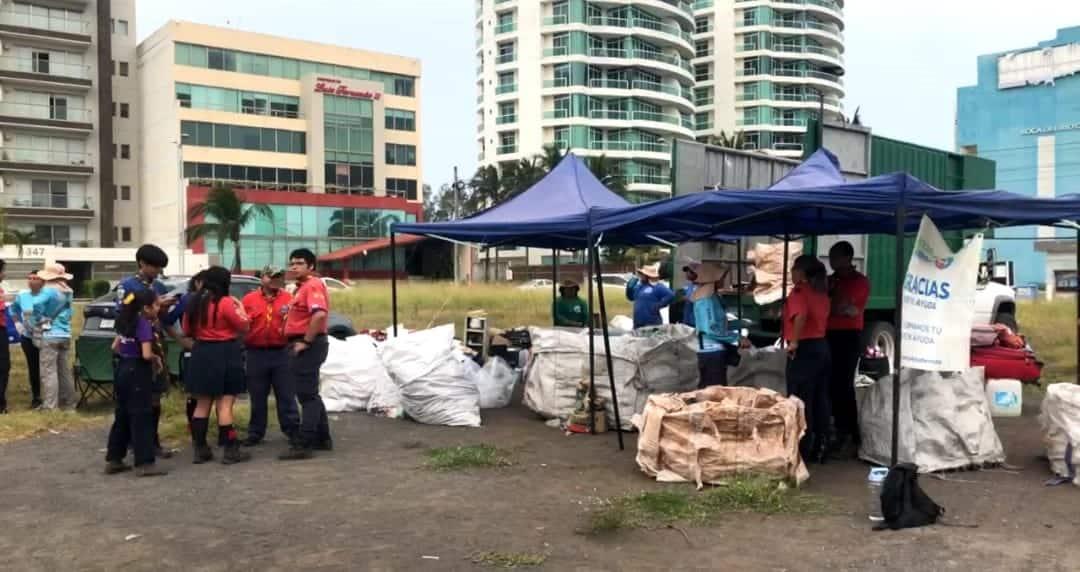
(353, 379)
(436, 387)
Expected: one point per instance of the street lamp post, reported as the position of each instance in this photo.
(181, 204)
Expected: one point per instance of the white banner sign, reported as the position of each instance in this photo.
(939, 302)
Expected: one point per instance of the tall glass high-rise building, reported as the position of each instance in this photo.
(624, 78)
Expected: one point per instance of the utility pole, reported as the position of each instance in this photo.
(457, 202)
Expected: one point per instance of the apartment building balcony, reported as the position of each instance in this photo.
(68, 33)
(36, 72)
(45, 205)
(45, 118)
(15, 159)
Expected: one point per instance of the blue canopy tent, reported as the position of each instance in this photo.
(554, 213)
(889, 204)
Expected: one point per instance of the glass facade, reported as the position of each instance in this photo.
(236, 101)
(225, 136)
(288, 68)
(265, 177)
(322, 229)
(350, 145)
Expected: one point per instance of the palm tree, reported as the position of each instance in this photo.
(734, 141)
(607, 171)
(518, 176)
(19, 238)
(226, 214)
(551, 156)
(486, 186)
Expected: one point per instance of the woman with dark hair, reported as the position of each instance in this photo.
(173, 319)
(136, 367)
(806, 315)
(215, 373)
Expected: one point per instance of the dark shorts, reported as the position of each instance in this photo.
(215, 369)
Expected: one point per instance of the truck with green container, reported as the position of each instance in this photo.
(697, 167)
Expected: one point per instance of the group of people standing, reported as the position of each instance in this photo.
(41, 318)
(821, 331)
(270, 340)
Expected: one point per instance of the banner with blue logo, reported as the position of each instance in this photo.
(939, 302)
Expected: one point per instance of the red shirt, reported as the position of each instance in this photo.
(310, 298)
(267, 318)
(804, 300)
(852, 289)
(222, 324)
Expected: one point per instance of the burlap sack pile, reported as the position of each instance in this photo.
(768, 261)
(716, 433)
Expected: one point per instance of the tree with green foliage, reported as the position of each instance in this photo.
(225, 214)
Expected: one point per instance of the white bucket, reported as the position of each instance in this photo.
(1005, 396)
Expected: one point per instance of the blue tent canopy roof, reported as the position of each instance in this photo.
(553, 213)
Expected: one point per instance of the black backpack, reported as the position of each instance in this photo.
(903, 502)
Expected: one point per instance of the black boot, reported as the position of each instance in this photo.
(299, 450)
(201, 451)
(820, 452)
(233, 454)
(806, 446)
(151, 470)
(114, 467)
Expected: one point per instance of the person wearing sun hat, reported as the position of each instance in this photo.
(649, 296)
(52, 311)
(569, 310)
(710, 321)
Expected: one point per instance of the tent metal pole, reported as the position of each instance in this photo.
(738, 281)
(784, 280)
(393, 279)
(592, 336)
(554, 281)
(607, 346)
(901, 216)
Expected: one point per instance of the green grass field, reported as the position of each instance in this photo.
(1051, 327)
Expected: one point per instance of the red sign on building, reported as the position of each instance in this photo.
(335, 87)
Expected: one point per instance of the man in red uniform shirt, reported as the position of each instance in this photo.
(849, 291)
(305, 329)
(268, 357)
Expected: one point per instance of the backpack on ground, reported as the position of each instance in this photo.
(903, 502)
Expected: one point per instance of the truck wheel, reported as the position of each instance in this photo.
(1008, 320)
(883, 336)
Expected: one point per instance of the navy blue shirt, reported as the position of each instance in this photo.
(137, 283)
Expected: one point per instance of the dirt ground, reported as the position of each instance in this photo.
(370, 505)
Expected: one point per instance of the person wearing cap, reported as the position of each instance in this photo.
(649, 296)
(268, 357)
(22, 310)
(711, 324)
(53, 313)
(682, 308)
(569, 310)
(151, 261)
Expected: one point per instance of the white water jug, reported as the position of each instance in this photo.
(1006, 397)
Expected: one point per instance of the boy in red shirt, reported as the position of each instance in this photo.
(268, 357)
(848, 292)
(305, 329)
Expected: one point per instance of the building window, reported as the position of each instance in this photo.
(287, 68)
(701, 48)
(124, 69)
(120, 27)
(221, 135)
(58, 107)
(702, 72)
(702, 25)
(115, 154)
(125, 192)
(114, 109)
(40, 62)
(236, 101)
(400, 119)
(507, 143)
(507, 113)
(125, 234)
(52, 234)
(125, 151)
(397, 154)
(506, 53)
(262, 177)
(125, 110)
(402, 188)
(49, 194)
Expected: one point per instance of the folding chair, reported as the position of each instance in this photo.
(93, 369)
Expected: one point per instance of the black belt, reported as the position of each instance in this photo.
(267, 348)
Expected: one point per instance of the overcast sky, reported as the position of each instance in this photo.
(904, 59)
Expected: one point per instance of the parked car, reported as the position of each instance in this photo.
(333, 284)
(536, 284)
(100, 314)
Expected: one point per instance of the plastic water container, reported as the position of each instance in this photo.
(1006, 397)
(874, 481)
